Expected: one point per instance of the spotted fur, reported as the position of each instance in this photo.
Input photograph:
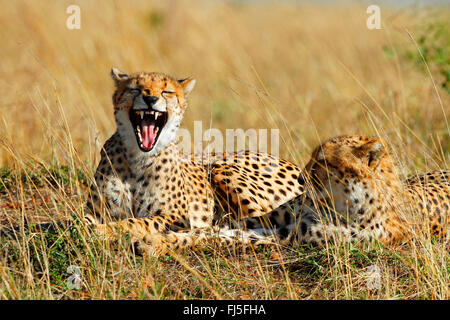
(354, 192)
(163, 198)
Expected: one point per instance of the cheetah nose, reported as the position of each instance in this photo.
(150, 100)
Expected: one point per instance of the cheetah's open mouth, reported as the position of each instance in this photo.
(147, 125)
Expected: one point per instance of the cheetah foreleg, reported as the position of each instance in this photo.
(301, 222)
(136, 227)
(160, 244)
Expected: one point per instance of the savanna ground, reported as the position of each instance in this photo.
(312, 71)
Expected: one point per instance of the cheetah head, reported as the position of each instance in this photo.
(148, 108)
(351, 172)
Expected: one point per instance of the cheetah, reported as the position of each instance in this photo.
(353, 192)
(146, 187)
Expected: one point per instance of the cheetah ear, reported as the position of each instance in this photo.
(118, 76)
(373, 151)
(188, 84)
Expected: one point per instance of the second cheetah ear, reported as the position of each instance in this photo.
(118, 76)
(373, 151)
(188, 84)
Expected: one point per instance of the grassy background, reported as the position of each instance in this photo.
(313, 71)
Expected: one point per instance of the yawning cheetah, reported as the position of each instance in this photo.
(145, 187)
(354, 192)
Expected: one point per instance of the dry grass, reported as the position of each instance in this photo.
(311, 71)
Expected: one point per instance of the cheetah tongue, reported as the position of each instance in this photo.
(148, 133)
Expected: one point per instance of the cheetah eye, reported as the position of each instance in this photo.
(135, 91)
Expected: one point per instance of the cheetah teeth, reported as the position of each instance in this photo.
(156, 114)
(139, 133)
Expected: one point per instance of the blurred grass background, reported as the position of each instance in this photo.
(311, 70)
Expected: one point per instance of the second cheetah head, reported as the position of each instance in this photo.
(148, 108)
(353, 172)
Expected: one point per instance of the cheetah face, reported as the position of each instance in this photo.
(344, 171)
(149, 108)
